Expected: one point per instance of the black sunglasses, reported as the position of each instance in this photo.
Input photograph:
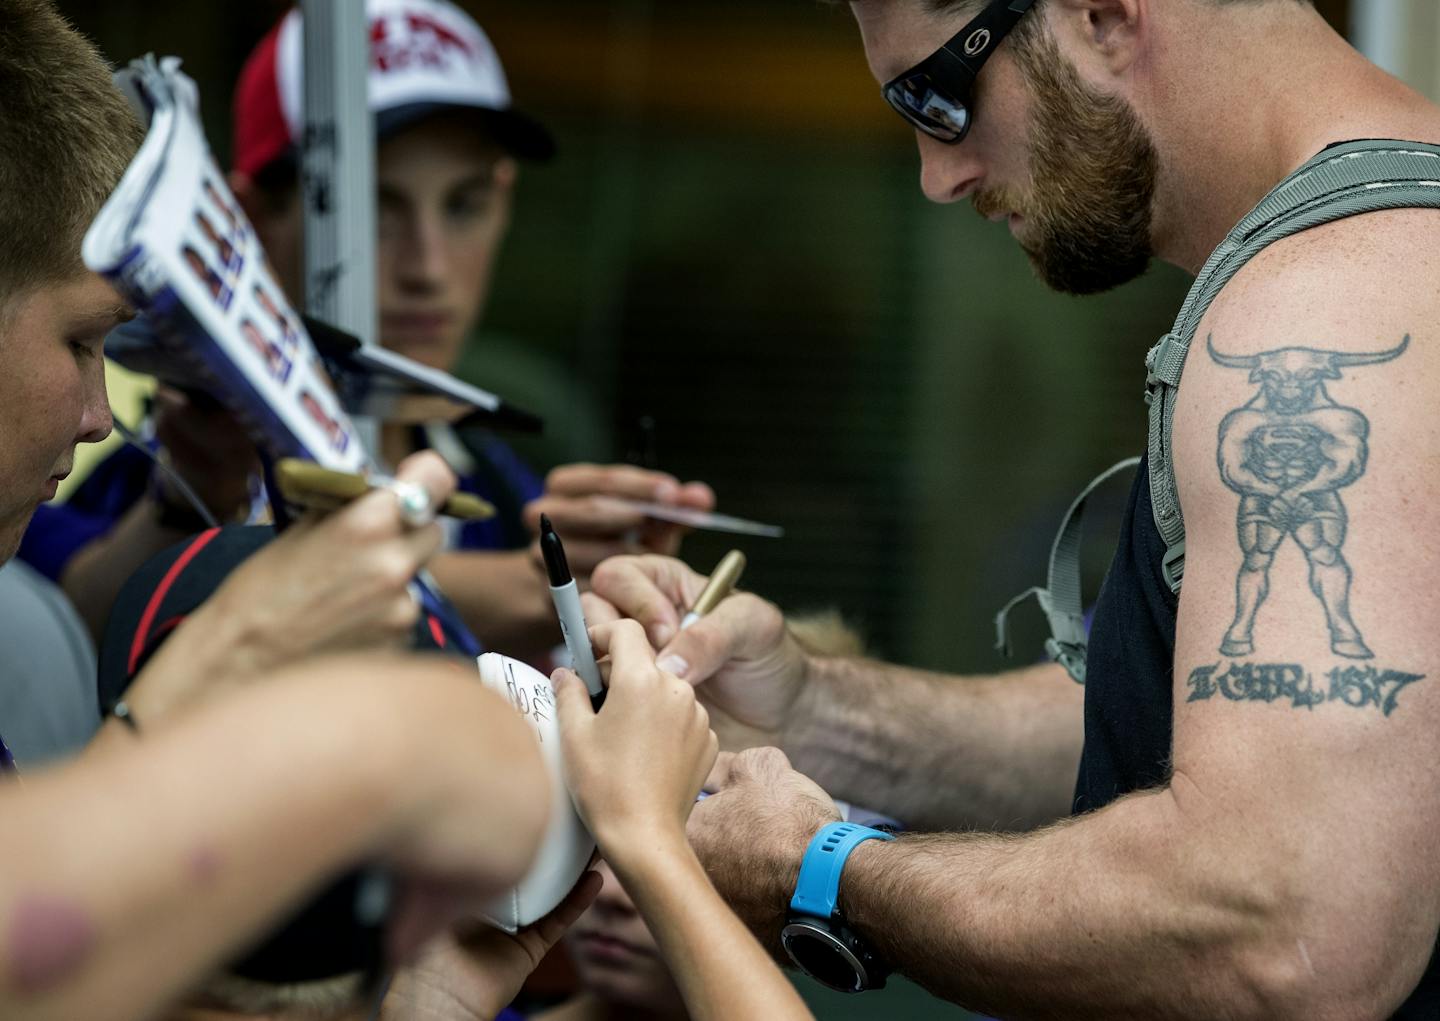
(934, 95)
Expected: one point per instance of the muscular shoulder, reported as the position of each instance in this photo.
(1341, 321)
(1352, 269)
(1313, 377)
(1306, 637)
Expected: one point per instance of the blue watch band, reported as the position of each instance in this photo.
(819, 884)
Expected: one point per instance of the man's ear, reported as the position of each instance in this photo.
(1105, 34)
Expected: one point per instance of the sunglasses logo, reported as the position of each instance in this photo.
(977, 41)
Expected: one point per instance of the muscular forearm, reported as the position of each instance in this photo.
(721, 969)
(502, 597)
(94, 575)
(1133, 911)
(937, 751)
(130, 873)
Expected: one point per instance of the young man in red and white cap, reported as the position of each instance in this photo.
(448, 142)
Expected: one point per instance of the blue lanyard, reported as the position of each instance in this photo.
(7, 761)
(433, 602)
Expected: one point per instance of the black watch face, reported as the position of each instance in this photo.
(823, 957)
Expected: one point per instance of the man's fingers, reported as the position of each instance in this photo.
(614, 479)
(696, 653)
(758, 763)
(722, 635)
(579, 517)
(722, 774)
(697, 496)
(647, 589)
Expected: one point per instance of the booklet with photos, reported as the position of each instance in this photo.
(178, 247)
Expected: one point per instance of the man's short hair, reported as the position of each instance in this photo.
(66, 136)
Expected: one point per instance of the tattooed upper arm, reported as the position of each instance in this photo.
(1307, 452)
(1288, 453)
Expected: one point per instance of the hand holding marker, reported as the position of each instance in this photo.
(566, 596)
(722, 582)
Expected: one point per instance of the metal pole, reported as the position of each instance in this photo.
(617, 201)
(1377, 28)
(1400, 36)
(338, 174)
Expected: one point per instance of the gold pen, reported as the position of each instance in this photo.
(722, 582)
(306, 483)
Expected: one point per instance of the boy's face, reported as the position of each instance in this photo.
(444, 204)
(617, 957)
(444, 192)
(52, 390)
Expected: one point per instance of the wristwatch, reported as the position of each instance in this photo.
(816, 937)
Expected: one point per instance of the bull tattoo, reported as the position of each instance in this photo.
(1288, 453)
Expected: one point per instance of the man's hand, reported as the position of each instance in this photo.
(748, 669)
(333, 583)
(752, 831)
(208, 449)
(586, 503)
(474, 972)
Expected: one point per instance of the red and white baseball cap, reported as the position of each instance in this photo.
(426, 56)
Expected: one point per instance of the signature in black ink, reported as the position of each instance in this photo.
(536, 702)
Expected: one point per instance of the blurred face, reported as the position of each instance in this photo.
(1070, 168)
(444, 193)
(444, 206)
(52, 391)
(616, 956)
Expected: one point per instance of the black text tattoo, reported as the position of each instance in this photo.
(1288, 453)
(1355, 686)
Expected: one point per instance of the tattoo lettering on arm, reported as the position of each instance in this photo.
(1288, 453)
(1359, 687)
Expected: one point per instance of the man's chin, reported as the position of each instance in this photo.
(12, 530)
(1083, 277)
(9, 545)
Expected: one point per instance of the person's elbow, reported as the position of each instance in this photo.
(1327, 962)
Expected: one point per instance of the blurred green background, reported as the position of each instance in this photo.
(733, 242)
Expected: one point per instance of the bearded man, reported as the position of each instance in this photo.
(1254, 822)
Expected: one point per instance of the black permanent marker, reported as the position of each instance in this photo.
(566, 596)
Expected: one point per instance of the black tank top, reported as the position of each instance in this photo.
(1128, 709)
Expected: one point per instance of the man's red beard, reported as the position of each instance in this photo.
(1093, 170)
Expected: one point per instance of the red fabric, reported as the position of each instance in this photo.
(141, 638)
(261, 133)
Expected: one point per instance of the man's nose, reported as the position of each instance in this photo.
(948, 173)
(96, 420)
(425, 261)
